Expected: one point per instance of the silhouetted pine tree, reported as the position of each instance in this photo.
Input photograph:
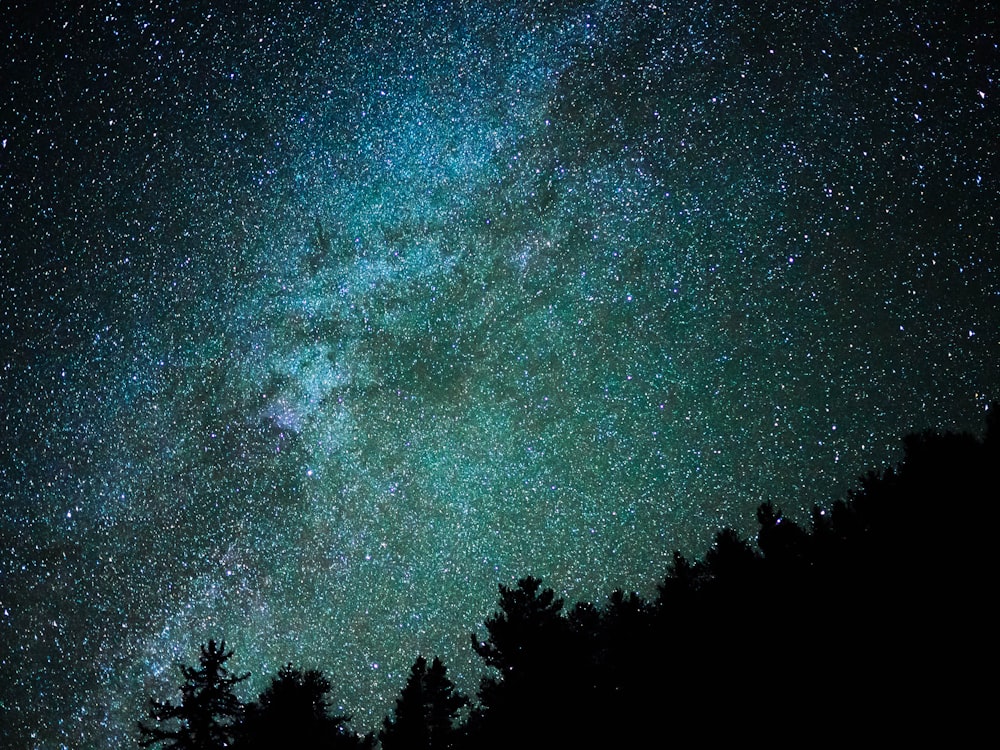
(207, 715)
(730, 561)
(624, 634)
(679, 584)
(425, 711)
(530, 643)
(873, 622)
(294, 711)
(528, 624)
(784, 543)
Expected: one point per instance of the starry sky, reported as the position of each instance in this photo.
(318, 320)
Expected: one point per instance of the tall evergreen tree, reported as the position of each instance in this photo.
(532, 646)
(425, 710)
(529, 624)
(208, 713)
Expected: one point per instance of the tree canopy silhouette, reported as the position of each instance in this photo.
(864, 620)
(295, 710)
(425, 711)
(527, 625)
(208, 713)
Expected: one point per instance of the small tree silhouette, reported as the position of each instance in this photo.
(207, 715)
(425, 710)
(294, 710)
(528, 625)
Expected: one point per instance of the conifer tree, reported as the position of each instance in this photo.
(294, 711)
(425, 711)
(208, 713)
(530, 643)
(527, 626)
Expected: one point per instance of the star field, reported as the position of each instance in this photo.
(317, 322)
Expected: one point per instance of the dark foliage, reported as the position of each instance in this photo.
(425, 711)
(529, 644)
(864, 624)
(869, 623)
(208, 714)
(294, 711)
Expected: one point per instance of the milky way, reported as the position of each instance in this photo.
(319, 322)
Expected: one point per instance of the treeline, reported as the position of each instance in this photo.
(869, 625)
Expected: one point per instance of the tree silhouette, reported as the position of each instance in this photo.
(534, 648)
(207, 715)
(425, 710)
(730, 560)
(782, 541)
(866, 623)
(294, 709)
(527, 626)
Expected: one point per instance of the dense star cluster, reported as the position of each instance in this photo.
(319, 320)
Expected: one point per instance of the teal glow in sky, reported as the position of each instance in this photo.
(318, 323)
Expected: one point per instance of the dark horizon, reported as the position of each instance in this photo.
(847, 637)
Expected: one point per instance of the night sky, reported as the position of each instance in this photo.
(318, 322)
